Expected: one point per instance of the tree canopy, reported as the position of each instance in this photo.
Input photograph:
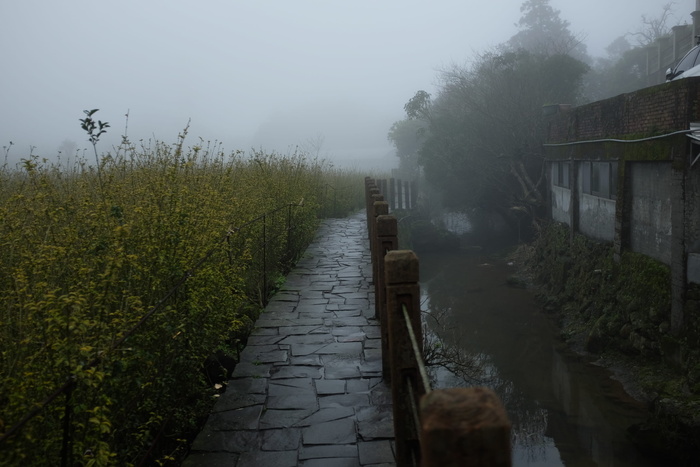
(543, 31)
(485, 132)
(478, 140)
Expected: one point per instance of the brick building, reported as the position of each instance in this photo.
(626, 170)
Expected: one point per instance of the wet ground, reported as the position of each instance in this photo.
(564, 410)
(308, 390)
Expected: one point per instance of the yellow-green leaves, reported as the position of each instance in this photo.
(85, 261)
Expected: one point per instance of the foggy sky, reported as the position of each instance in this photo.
(271, 74)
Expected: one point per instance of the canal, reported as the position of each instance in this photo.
(564, 409)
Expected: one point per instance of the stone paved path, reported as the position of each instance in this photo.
(308, 390)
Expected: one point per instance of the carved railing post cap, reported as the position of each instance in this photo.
(381, 208)
(401, 266)
(386, 225)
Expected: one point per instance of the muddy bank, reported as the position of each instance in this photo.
(617, 314)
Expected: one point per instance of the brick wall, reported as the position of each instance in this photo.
(651, 111)
(654, 215)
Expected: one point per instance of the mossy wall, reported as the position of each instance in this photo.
(624, 305)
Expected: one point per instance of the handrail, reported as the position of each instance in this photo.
(418, 354)
(70, 381)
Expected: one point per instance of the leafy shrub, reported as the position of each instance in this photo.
(118, 282)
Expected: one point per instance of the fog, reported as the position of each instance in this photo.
(327, 76)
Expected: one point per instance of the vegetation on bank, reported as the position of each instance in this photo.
(621, 311)
(120, 280)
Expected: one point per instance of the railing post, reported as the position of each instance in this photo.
(374, 198)
(372, 193)
(369, 185)
(402, 290)
(464, 426)
(379, 208)
(414, 194)
(392, 194)
(387, 240)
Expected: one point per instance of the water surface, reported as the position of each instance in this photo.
(564, 410)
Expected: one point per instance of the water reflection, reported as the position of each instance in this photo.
(481, 331)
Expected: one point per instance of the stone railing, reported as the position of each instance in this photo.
(432, 427)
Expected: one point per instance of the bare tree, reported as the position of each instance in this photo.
(653, 29)
(313, 146)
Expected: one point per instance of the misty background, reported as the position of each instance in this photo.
(327, 77)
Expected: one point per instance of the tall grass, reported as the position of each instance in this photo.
(86, 253)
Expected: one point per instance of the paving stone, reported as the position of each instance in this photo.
(246, 386)
(302, 330)
(306, 349)
(371, 369)
(211, 459)
(311, 338)
(334, 301)
(275, 418)
(335, 432)
(360, 302)
(264, 340)
(326, 415)
(358, 386)
(227, 441)
(375, 452)
(347, 330)
(286, 439)
(245, 418)
(231, 400)
(300, 401)
(375, 422)
(320, 452)
(343, 400)
(343, 348)
(380, 395)
(373, 354)
(311, 293)
(283, 312)
(332, 462)
(309, 360)
(351, 313)
(333, 386)
(290, 386)
(350, 273)
(263, 354)
(349, 321)
(306, 301)
(295, 281)
(314, 309)
(296, 371)
(247, 369)
(373, 344)
(372, 332)
(344, 290)
(352, 295)
(356, 337)
(339, 368)
(280, 300)
(264, 322)
(258, 331)
(268, 459)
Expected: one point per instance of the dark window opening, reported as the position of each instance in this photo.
(599, 179)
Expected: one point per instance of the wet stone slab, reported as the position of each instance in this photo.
(296, 371)
(245, 418)
(336, 432)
